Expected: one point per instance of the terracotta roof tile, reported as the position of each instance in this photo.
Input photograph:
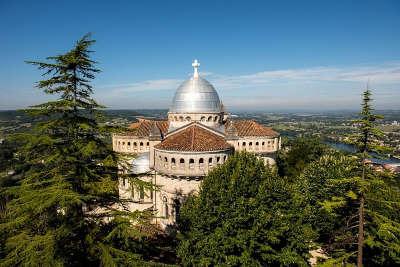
(143, 127)
(194, 138)
(252, 128)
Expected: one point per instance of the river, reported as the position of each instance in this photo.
(352, 149)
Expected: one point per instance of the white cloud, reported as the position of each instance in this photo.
(148, 85)
(286, 87)
(385, 73)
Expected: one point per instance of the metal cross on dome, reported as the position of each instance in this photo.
(196, 65)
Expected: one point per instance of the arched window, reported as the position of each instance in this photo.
(187, 118)
(203, 118)
(148, 143)
(165, 162)
(201, 163)
(141, 193)
(215, 118)
(165, 202)
(123, 143)
(251, 143)
(177, 208)
(129, 143)
(173, 161)
(210, 160)
(224, 158)
(209, 118)
(181, 161)
(141, 143)
(257, 143)
(119, 143)
(218, 159)
(263, 143)
(244, 144)
(180, 118)
(134, 144)
(191, 163)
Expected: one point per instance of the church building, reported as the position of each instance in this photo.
(175, 154)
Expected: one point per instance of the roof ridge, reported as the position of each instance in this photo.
(181, 128)
(192, 146)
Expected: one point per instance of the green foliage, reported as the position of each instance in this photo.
(367, 140)
(329, 185)
(382, 228)
(332, 186)
(368, 136)
(7, 150)
(245, 215)
(61, 208)
(297, 154)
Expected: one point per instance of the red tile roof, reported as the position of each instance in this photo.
(252, 128)
(194, 138)
(143, 127)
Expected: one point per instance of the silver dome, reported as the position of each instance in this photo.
(141, 163)
(196, 95)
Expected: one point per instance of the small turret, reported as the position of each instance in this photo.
(231, 131)
(155, 133)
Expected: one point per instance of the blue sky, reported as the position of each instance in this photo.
(264, 55)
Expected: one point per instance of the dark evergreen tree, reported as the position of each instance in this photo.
(355, 206)
(332, 188)
(63, 203)
(297, 154)
(367, 141)
(244, 215)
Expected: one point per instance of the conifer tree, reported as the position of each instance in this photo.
(302, 151)
(355, 207)
(332, 187)
(64, 207)
(367, 141)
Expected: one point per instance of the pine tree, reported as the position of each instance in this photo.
(64, 207)
(366, 141)
(332, 187)
(355, 207)
(244, 215)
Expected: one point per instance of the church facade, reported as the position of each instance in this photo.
(175, 154)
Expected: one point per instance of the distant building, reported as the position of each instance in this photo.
(394, 167)
(175, 154)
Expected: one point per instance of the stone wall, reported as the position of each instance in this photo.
(257, 144)
(130, 144)
(165, 202)
(188, 163)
